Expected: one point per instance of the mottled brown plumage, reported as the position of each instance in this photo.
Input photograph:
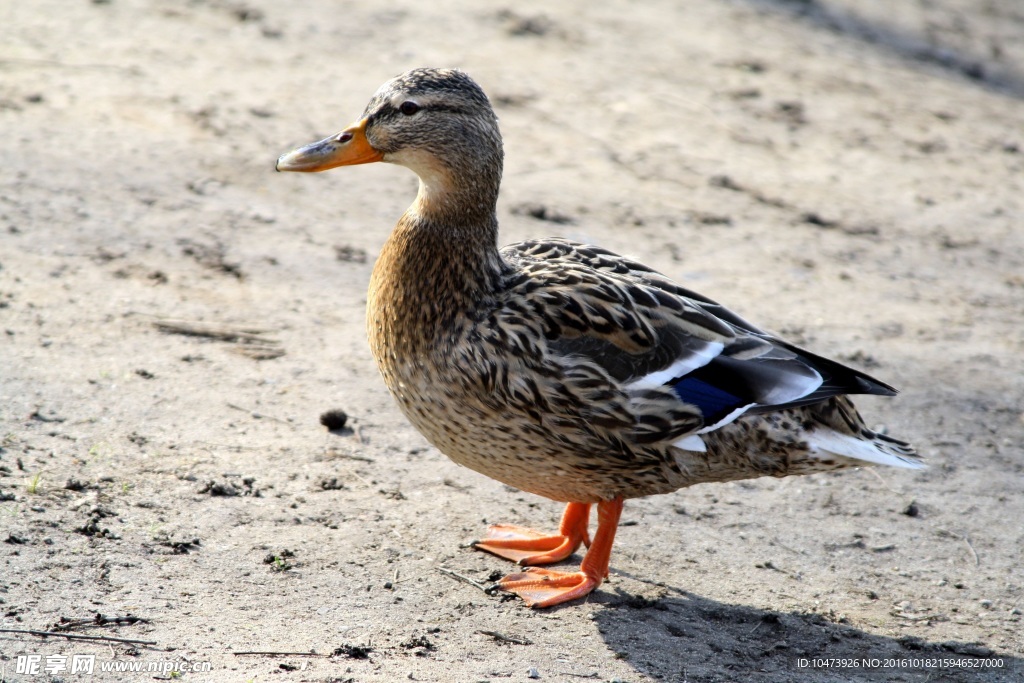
(566, 370)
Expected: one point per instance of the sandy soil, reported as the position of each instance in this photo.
(846, 172)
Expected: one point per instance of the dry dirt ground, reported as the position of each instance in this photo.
(175, 317)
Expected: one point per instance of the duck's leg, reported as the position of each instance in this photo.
(527, 546)
(544, 587)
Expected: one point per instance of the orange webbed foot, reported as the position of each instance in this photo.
(528, 547)
(544, 587)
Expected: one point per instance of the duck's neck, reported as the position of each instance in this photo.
(439, 266)
(457, 206)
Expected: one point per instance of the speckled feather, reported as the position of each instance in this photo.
(529, 385)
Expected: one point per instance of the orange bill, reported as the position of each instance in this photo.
(347, 148)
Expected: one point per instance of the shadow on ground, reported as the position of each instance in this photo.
(684, 637)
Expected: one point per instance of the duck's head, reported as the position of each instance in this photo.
(437, 122)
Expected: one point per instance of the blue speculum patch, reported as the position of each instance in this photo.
(714, 403)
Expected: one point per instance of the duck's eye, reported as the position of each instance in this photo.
(409, 107)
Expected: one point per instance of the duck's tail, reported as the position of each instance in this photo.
(840, 430)
(867, 446)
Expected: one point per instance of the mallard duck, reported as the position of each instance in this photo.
(563, 369)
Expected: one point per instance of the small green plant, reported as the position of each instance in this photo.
(279, 562)
(32, 487)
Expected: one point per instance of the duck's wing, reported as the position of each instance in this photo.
(648, 334)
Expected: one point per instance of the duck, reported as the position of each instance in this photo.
(563, 369)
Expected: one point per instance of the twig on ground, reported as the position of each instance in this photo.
(921, 617)
(219, 331)
(782, 545)
(258, 415)
(66, 624)
(970, 546)
(277, 654)
(332, 453)
(882, 481)
(966, 539)
(77, 636)
(502, 638)
(465, 579)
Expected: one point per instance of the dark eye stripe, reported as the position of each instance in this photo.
(389, 113)
(433, 106)
(445, 107)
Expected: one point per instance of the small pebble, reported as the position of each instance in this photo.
(532, 672)
(334, 419)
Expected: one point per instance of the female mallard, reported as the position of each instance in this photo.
(566, 370)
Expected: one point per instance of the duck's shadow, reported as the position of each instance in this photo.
(685, 637)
